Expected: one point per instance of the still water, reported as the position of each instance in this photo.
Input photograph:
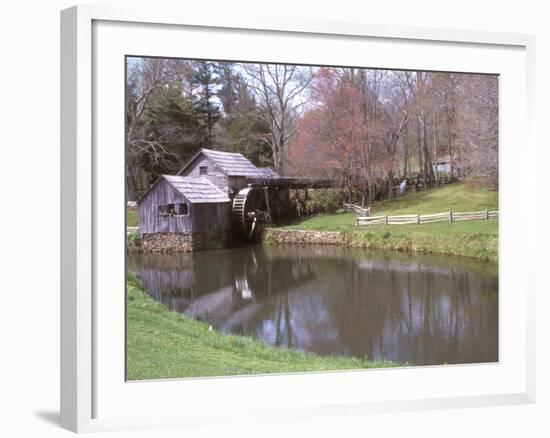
(336, 301)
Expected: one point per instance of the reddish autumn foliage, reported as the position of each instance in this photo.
(337, 137)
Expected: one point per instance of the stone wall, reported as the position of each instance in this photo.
(178, 242)
(272, 235)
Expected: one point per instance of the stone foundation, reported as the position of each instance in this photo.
(273, 235)
(178, 242)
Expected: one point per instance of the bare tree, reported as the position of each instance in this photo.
(145, 77)
(370, 85)
(446, 87)
(278, 90)
(478, 126)
(417, 85)
(397, 120)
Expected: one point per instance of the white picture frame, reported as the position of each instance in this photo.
(87, 355)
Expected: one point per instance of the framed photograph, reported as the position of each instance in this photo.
(264, 207)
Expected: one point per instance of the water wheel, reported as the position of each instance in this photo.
(250, 212)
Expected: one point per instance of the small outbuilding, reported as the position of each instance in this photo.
(184, 213)
(445, 165)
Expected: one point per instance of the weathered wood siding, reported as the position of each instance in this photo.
(214, 175)
(201, 217)
(211, 217)
(150, 221)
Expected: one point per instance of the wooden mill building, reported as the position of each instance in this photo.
(184, 204)
(217, 196)
(228, 171)
(193, 209)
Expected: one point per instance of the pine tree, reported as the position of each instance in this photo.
(172, 121)
(244, 129)
(227, 93)
(204, 79)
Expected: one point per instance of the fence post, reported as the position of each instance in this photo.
(418, 218)
(356, 221)
(486, 214)
(386, 219)
(451, 216)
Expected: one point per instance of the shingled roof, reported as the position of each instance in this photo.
(268, 172)
(232, 164)
(196, 189)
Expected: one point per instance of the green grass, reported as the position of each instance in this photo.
(472, 239)
(165, 344)
(456, 197)
(132, 217)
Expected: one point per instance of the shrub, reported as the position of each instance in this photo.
(134, 238)
(324, 200)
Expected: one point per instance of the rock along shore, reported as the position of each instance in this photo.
(302, 237)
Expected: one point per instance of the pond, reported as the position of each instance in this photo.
(336, 301)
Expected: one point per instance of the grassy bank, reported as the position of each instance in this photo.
(472, 239)
(164, 344)
(132, 217)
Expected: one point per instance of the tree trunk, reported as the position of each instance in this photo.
(450, 140)
(406, 153)
(427, 170)
(130, 183)
(421, 164)
(435, 150)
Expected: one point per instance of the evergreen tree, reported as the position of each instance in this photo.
(227, 93)
(204, 79)
(243, 127)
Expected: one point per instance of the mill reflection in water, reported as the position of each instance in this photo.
(334, 301)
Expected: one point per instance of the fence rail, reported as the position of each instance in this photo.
(361, 211)
(131, 230)
(448, 216)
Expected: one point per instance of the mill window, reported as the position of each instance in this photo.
(164, 210)
(179, 209)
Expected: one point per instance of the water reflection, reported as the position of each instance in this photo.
(333, 301)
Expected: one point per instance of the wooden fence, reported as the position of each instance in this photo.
(131, 230)
(363, 212)
(449, 216)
